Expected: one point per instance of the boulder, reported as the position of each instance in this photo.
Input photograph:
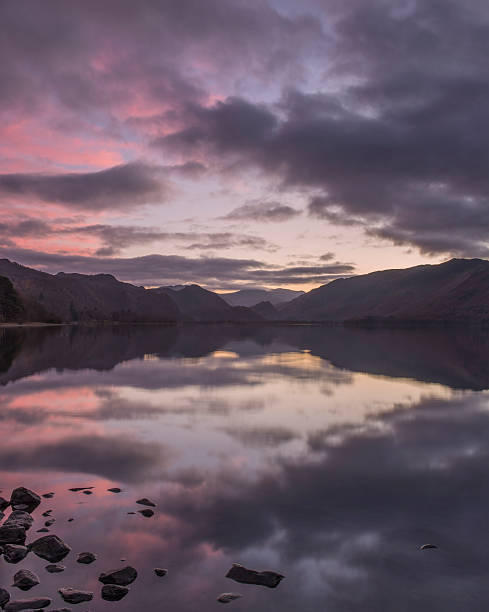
(14, 553)
(24, 497)
(25, 580)
(75, 596)
(50, 547)
(12, 534)
(121, 577)
(114, 592)
(239, 573)
(4, 597)
(20, 518)
(34, 603)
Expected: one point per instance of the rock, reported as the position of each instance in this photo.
(114, 592)
(146, 512)
(14, 553)
(121, 577)
(3, 503)
(61, 610)
(50, 547)
(86, 557)
(70, 520)
(144, 501)
(131, 513)
(76, 489)
(55, 568)
(50, 522)
(4, 597)
(87, 492)
(159, 571)
(114, 490)
(19, 518)
(25, 580)
(75, 596)
(25, 497)
(47, 513)
(228, 597)
(239, 573)
(48, 495)
(427, 546)
(34, 603)
(12, 534)
(42, 530)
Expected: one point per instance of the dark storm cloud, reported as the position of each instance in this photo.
(266, 211)
(402, 148)
(114, 188)
(151, 270)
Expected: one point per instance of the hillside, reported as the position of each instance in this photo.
(457, 290)
(251, 297)
(81, 297)
(11, 307)
(199, 304)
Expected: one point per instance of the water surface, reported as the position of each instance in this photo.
(327, 454)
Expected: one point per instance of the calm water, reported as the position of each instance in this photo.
(329, 455)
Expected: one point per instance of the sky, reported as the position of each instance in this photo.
(243, 143)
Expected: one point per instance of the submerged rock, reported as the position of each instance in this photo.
(25, 580)
(24, 497)
(75, 596)
(114, 592)
(4, 597)
(159, 571)
(55, 568)
(144, 501)
(14, 553)
(239, 573)
(146, 512)
(121, 577)
(86, 557)
(228, 597)
(34, 603)
(50, 547)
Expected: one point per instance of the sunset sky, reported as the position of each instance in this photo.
(250, 143)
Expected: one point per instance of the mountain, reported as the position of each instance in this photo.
(266, 310)
(11, 307)
(199, 304)
(457, 290)
(81, 297)
(250, 297)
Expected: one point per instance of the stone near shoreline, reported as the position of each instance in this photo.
(86, 558)
(24, 497)
(114, 592)
(159, 571)
(228, 597)
(4, 597)
(144, 501)
(75, 596)
(25, 580)
(34, 603)
(55, 568)
(120, 577)
(240, 573)
(50, 547)
(14, 553)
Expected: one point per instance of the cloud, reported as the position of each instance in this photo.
(153, 270)
(119, 187)
(266, 211)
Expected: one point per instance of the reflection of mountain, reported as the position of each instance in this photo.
(451, 357)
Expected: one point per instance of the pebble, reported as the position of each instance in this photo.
(146, 512)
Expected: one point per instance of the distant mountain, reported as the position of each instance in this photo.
(81, 297)
(457, 290)
(199, 304)
(266, 310)
(250, 297)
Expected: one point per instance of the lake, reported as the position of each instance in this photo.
(329, 455)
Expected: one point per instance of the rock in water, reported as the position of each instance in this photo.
(75, 596)
(25, 580)
(50, 547)
(114, 490)
(146, 512)
(242, 574)
(144, 501)
(114, 592)
(14, 553)
(48, 495)
(86, 557)
(55, 568)
(228, 597)
(427, 546)
(34, 603)
(4, 597)
(47, 513)
(12, 534)
(121, 577)
(159, 571)
(24, 497)
(19, 518)
(76, 489)
(50, 522)
(3, 504)
(42, 530)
